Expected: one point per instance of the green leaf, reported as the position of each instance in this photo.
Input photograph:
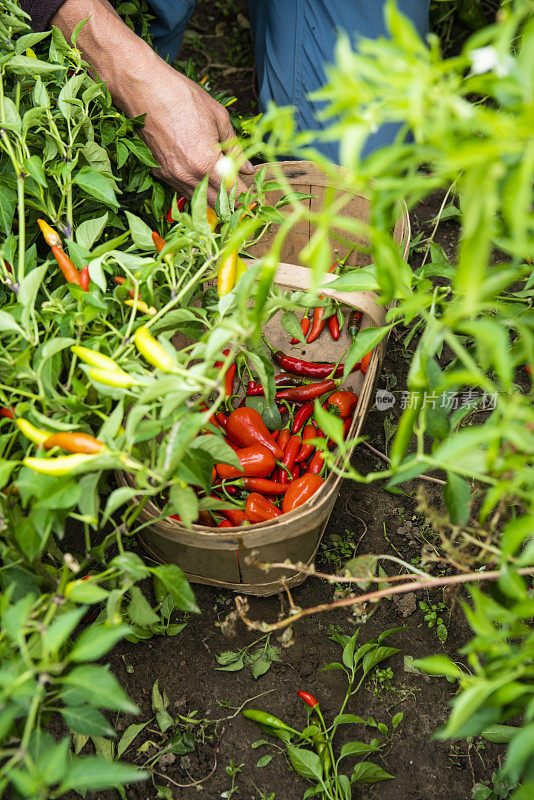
(96, 185)
(93, 772)
(61, 628)
(457, 494)
(141, 233)
(357, 280)
(87, 720)
(90, 231)
(68, 93)
(330, 424)
(499, 734)
(366, 341)
(439, 665)
(217, 447)
(8, 325)
(264, 760)
(291, 323)
(376, 656)
(358, 748)
(97, 640)
(365, 772)
(139, 608)
(131, 732)
(348, 651)
(520, 752)
(305, 762)
(85, 592)
(183, 501)
(175, 583)
(34, 167)
(24, 65)
(110, 694)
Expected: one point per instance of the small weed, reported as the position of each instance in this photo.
(232, 770)
(431, 612)
(500, 788)
(259, 657)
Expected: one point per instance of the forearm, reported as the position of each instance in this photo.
(120, 58)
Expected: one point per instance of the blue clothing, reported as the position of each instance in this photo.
(293, 41)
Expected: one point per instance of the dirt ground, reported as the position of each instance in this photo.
(185, 665)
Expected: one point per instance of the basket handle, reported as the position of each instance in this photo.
(296, 277)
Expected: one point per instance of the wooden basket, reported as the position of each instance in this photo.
(218, 556)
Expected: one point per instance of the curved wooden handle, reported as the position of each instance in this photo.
(296, 277)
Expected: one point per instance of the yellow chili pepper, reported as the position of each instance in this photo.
(110, 377)
(151, 349)
(141, 306)
(227, 274)
(94, 358)
(49, 234)
(212, 218)
(241, 268)
(32, 433)
(62, 465)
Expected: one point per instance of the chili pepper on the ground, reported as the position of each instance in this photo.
(152, 350)
(7, 413)
(290, 454)
(355, 320)
(304, 326)
(310, 369)
(75, 442)
(61, 465)
(316, 464)
(342, 403)
(122, 281)
(226, 273)
(319, 321)
(94, 358)
(264, 718)
(300, 491)
(256, 462)
(246, 427)
(85, 278)
(333, 326)
(264, 486)
(36, 435)
(365, 362)
(303, 394)
(49, 234)
(307, 449)
(66, 266)
(259, 509)
(141, 306)
(308, 698)
(159, 243)
(302, 415)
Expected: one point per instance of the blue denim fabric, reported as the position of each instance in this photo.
(293, 41)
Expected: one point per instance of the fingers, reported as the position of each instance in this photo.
(227, 133)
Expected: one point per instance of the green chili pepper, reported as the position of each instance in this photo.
(264, 718)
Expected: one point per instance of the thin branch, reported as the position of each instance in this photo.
(370, 597)
(385, 458)
(201, 780)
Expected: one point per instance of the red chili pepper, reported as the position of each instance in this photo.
(275, 434)
(303, 394)
(305, 326)
(300, 491)
(342, 403)
(308, 698)
(229, 380)
(222, 419)
(283, 439)
(84, 278)
(180, 202)
(122, 281)
(355, 320)
(255, 388)
(260, 509)
(311, 369)
(256, 462)
(307, 449)
(290, 454)
(263, 486)
(302, 415)
(365, 363)
(246, 427)
(318, 317)
(235, 515)
(66, 266)
(159, 243)
(333, 326)
(295, 473)
(225, 523)
(316, 464)
(212, 419)
(7, 413)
